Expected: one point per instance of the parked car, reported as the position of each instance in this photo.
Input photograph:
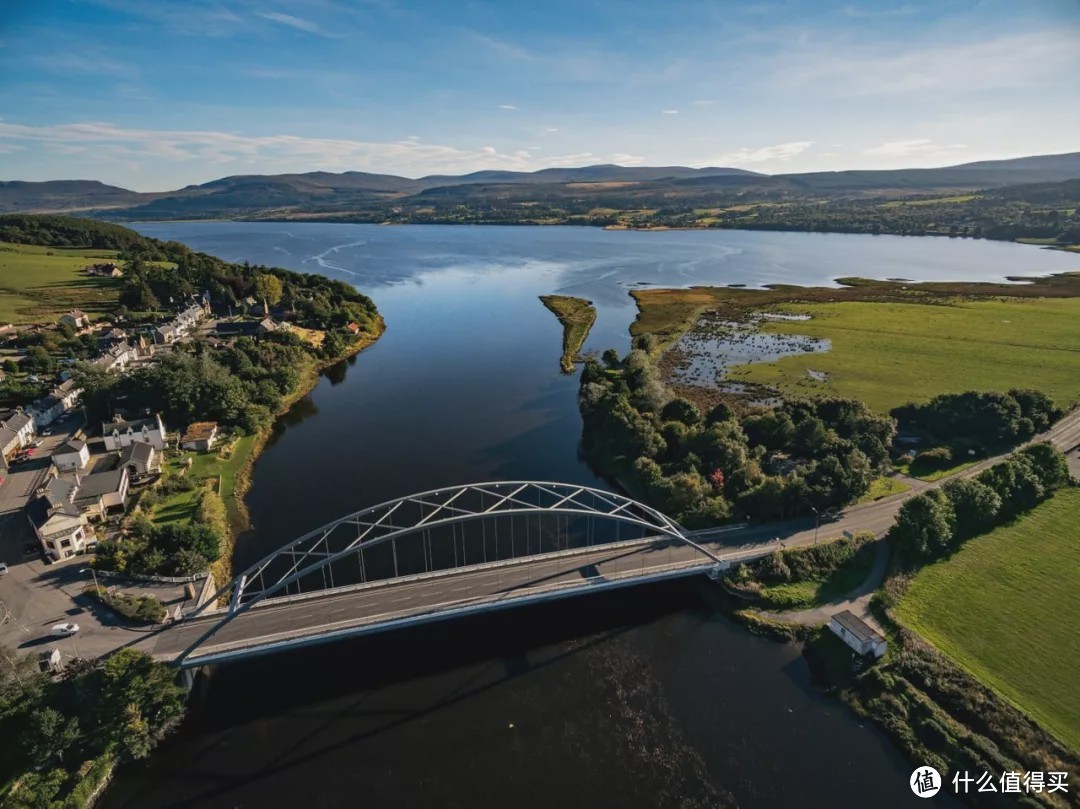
(3, 568)
(64, 630)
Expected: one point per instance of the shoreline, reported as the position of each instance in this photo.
(224, 566)
(1022, 240)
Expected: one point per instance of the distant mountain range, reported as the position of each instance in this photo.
(324, 194)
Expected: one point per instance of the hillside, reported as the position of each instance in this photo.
(558, 194)
(64, 195)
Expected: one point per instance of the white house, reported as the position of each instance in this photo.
(61, 532)
(71, 456)
(76, 318)
(68, 393)
(9, 445)
(200, 436)
(58, 522)
(167, 334)
(98, 494)
(140, 458)
(116, 357)
(22, 425)
(858, 634)
(119, 433)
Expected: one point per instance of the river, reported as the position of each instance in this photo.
(639, 698)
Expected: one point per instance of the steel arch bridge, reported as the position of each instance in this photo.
(313, 555)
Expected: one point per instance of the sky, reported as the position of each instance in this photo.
(159, 94)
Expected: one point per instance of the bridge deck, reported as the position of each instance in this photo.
(284, 623)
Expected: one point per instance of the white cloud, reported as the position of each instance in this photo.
(1008, 62)
(859, 12)
(762, 154)
(200, 151)
(507, 107)
(299, 23)
(917, 147)
(671, 112)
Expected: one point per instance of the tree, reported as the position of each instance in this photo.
(611, 358)
(925, 524)
(1047, 462)
(269, 288)
(139, 701)
(49, 734)
(681, 410)
(975, 504)
(36, 790)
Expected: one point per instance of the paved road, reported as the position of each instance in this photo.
(380, 602)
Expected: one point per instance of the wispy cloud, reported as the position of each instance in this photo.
(299, 23)
(109, 143)
(1004, 62)
(507, 107)
(671, 112)
(917, 147)
(881, 10)
(762, 154)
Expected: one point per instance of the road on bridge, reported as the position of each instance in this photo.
(284, 622)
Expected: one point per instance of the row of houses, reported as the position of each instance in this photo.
(65, 507)
(180, 326)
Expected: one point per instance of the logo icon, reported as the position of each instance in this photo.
(925, 782)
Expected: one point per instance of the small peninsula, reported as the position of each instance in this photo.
(577, 316)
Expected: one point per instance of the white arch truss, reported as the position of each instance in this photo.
(384, 523)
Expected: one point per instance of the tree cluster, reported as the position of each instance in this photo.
(938, 521)
(982, 421)
(121, 707)
(162, 549)
(703, 469)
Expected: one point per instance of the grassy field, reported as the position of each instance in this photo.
(888, 353)
(209, 466)
(1005, 608)
(37, 284)
(577, 316)
(883, 487)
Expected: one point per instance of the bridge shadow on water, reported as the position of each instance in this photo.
(342, 681)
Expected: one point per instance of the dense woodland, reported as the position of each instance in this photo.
(776, 462)
(61, 737)
(704, 469)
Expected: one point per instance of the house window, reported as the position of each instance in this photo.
(65, 543)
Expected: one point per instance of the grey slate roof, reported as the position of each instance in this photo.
(858, 627)
(94, 486)
(137, 452)
(71, 446)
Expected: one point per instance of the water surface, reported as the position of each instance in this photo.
(640, 698)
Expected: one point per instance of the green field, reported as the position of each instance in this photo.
(1005, 607)
(884, 487)
(887, 354)
(38, 284)
(206, 466)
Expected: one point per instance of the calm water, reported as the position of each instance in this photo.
(643, 698)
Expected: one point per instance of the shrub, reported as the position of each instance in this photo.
(138, 609)
(935, 458)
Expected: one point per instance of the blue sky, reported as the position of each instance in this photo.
(156, 94)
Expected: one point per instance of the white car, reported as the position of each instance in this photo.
(64, 630)
(3, 568)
